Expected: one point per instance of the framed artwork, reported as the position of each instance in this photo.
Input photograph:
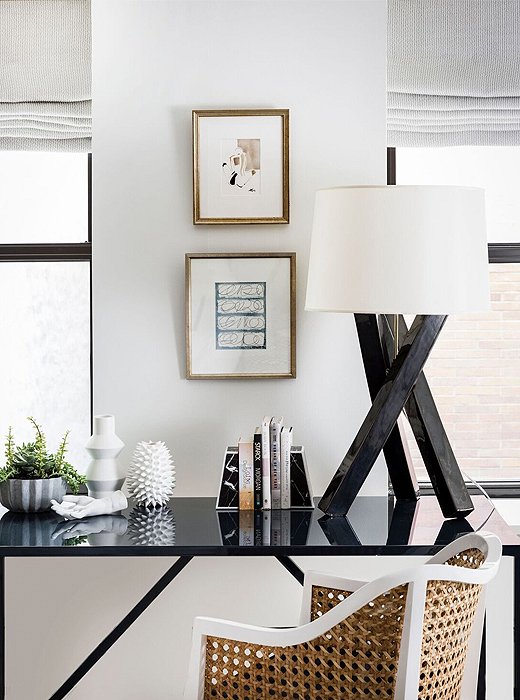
(240, 315)
(241, 166)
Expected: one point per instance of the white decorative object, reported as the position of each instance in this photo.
(104, 476)
(78, 507)
(152, 527)
(151, 477)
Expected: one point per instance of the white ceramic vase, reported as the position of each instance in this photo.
(104, 476)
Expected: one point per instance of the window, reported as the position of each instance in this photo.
(45, 255)
(474, 368)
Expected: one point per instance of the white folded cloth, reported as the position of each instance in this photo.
(45, 75)
(453, 72)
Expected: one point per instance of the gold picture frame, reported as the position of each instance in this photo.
(240, 166)
(240, 315)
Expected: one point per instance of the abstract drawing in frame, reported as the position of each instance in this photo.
(240, 315)
(241, 166)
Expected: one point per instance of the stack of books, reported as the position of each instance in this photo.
(264, 467)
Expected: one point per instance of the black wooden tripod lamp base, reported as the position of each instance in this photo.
(397, 386)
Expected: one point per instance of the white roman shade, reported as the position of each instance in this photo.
(453, 72)
(45, 75)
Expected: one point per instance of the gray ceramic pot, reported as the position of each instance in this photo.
(31, 495)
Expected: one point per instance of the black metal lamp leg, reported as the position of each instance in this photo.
(382, 416)
(431, 438)
(400, 467)
(121, 628)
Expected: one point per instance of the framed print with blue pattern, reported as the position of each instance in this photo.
(240, 315)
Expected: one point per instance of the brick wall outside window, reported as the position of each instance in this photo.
(474, 374)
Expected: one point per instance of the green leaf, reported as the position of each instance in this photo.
(32, 461)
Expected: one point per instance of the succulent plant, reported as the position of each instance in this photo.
(32, 461)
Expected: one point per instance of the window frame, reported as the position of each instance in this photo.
(497, 253)
(61, 252)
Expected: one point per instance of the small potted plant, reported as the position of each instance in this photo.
(32, 477)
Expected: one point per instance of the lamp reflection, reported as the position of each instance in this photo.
(401, 521)
(453, 529)
(338, 531)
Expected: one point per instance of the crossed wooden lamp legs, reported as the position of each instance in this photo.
(396, 386)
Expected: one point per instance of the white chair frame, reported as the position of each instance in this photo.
(362, 593)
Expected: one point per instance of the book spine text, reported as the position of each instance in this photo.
(266, 464)
(285, 459)
(257, 468)
(245, 474)
(276, 427)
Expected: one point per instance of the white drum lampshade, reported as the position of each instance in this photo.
(399, 250)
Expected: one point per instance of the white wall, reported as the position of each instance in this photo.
(325, 61)
(154, 61)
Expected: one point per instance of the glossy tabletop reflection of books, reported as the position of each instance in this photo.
(192, 526)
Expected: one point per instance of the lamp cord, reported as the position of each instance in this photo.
(467, 477)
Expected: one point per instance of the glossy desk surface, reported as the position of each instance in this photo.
(192, 526)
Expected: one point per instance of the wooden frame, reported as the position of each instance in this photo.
(261, 213)
(287, 368)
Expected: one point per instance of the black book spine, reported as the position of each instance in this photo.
(257, 469)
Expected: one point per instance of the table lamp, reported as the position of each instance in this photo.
(380, 252)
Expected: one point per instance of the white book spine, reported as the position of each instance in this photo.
(286, 440)
(245, 474)
(266, 464)
(276, 482)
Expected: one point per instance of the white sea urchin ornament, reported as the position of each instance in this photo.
(151, 477)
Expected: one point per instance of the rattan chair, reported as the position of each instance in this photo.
(411, 635)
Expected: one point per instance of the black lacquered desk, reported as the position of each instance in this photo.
(190, 527)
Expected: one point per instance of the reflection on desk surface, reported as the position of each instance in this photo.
(194, 523)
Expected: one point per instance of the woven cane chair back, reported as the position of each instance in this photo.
(324, 599)
(449, 614)
(339, 664)
(350, 648)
